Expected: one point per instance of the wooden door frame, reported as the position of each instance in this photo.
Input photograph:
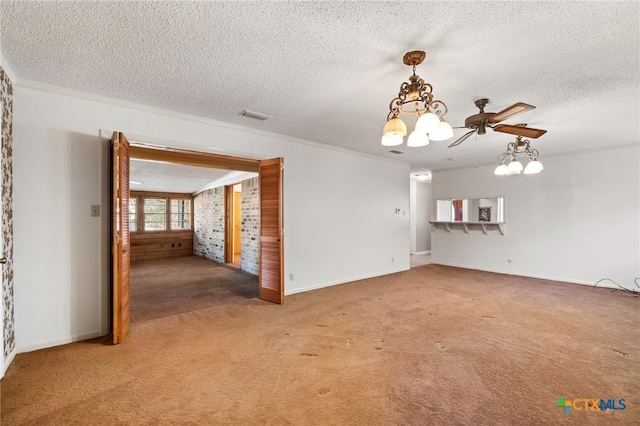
(228, 223)
(194, 158)
(216, 161)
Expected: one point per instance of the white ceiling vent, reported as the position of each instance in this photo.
(255, 115)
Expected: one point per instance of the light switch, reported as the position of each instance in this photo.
(95, 210)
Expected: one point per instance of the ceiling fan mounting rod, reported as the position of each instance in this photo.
(414, 58)
(481, 103)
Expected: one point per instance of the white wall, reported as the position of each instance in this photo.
(577, 221)
(420, 215)
(339, 207)
(413, 227)
(423, 216)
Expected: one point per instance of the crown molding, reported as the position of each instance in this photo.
(34, 85)
(7, 69)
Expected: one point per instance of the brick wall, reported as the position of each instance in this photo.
(208, 224)
(250, 226)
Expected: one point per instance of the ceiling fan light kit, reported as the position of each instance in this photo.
(416, 98)
(520, 146)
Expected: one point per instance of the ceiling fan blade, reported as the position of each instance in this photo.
(514, 109)
(462, 138)
(528, 132)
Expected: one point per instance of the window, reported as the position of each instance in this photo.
(180, 214)
(133, 222)
(155, 214)
(160, 211)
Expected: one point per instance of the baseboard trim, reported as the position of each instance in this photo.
(423, 252)
(519, 274)
(60, 341)
(349, 280)
(7, 362)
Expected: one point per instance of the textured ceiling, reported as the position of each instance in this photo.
(326, 71)
(171, 177)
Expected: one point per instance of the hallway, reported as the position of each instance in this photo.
(419, 259)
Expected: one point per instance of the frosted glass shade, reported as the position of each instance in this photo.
(428, 123)
(391, 140)
(443, 132)
(417, 139)
(533, 167)
(395, 127)
(514, 168)
(501, 170)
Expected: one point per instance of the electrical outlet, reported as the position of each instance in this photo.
(393, 260)
(290, 277)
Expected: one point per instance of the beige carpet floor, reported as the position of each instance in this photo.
(430, 346)
(165, 287)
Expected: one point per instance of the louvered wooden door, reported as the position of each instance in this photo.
(121, 254)
(271, 285)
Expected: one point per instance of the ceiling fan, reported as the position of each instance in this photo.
(479, 122)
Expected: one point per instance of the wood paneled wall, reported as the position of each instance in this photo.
(161, 244)
(147, 245)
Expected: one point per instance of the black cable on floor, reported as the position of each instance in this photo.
(628, 290)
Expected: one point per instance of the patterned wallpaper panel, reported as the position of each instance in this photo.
(6, 99)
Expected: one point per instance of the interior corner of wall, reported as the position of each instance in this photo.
(106, 133)
(7, 69)
(7, 362)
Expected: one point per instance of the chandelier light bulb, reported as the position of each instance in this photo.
(395, 127)
(501, 170)
(443, 132)
(515, 167)
(533, 167)
(428, 123)
(417, 139)
(391, 140)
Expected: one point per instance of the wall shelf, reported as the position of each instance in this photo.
(467, 226)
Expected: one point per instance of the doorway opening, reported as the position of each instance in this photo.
(269, 233)
(233, 213)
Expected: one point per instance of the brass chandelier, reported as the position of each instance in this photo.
(520, 146)
(416, 98)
